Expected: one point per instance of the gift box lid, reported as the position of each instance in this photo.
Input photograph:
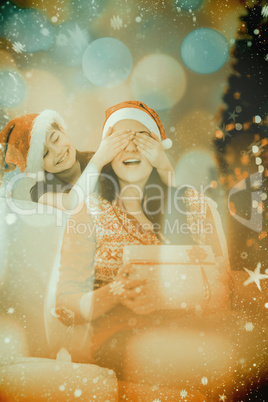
(168, 254)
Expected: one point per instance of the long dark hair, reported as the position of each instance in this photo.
(155, 195)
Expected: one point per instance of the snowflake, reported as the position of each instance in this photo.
(45, 32)
(11, 310)
(77, 393)
(249, 326)
(61, 40)
(117, 288)
(156, 400)
(266, 57)
(78, 38)
(264, 11)
(116, 23)
(183, 393)
(18, 47)
(255, 276)
(244, 255)
(10, 219)
(222, 397)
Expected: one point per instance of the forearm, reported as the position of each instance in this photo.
(85, 185)
(97, 302)
(166, 173)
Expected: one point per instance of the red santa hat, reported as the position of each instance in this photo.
(135, 110)
(22, 141)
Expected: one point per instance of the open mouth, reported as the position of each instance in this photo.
(62, 159)
(131, 162)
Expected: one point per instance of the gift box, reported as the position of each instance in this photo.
(180, 277)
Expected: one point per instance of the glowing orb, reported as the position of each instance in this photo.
(70, 44)
(30, 29)
(204, 50)
(159, 81)
(188, 4)
(12, 88)
(196, 169)
(107, 62)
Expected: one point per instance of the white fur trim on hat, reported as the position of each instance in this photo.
(130, 113)
(42, 124)
(167, 143)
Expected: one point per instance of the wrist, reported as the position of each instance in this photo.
(97, 162)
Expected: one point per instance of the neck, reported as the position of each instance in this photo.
(71, 175)
(131, 196)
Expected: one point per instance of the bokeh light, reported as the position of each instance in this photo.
(197, 169)
(204, 50)
(188, 4)
(12, 88)
(30, 29)
(87, 10)
(6, 10)
(53, 95)
(6, 60)
(159, 81)
(107, 62)
(69, 44)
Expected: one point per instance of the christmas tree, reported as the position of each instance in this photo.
(242, 138)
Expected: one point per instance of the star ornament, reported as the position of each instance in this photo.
(255, 276)
(232, 115)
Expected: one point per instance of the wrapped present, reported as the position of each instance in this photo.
(181, 277)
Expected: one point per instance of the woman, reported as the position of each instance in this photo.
(38, 145)
(129, 209)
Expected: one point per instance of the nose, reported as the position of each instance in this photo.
(56, 150)
(131, 147)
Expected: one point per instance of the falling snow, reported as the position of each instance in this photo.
(61, 40)
(183, 393)
(11, 219)
(249, 326)
(116, 288)
(264, 11)
(244, 255)
(18, 47)
(45, 32)
(116, 22)
(78, 37)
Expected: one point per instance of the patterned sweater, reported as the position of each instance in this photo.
(93, 244)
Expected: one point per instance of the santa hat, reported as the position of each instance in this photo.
(22, 141)
(134, 110)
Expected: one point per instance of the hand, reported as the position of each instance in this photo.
(136, 292)
(151, 148)
(111, 145)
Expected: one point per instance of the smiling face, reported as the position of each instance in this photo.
(130, 166)
(59, 151)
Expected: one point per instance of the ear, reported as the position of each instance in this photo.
(108, 132)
